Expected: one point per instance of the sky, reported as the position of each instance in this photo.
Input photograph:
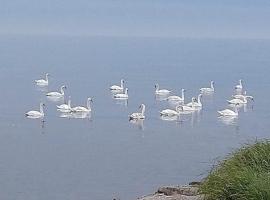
(147, 18)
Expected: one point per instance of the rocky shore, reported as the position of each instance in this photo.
(189, 192)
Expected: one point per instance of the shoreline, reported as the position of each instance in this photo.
(186, 192)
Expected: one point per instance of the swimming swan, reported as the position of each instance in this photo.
(42, 82)
(242, 96)
(161, 91)
(208, 90)
(228, 112)
(194, 103)
(122, 96)
(238, 101)
(170, 112)
(36, 114)
(240, 86)
(117, 87)
(139, 115)
(83, 109)
(57, 94)
(177, 98)
(65, 107)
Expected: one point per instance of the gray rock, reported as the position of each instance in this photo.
(175, 193)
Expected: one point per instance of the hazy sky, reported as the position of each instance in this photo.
(176, 18)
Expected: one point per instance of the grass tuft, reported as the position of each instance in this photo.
(244, 174)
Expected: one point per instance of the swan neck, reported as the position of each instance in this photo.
(62, 91)
(122, 84)
(199, 99)
(69, 103)
(143, 109)
(157, 87)
(88, 104)
(212, 85)
(41, 108)
(47, 77)
(183, 95)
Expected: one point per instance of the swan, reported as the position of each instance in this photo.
(177, 98)
(65, 107)
(57, 94)
(36, 114)
(242, 96)
(117, 87)
(139, 115)
(170, 112)
(43, 82)
(208, 90)
(83, 109)
(161, 91)
(228, 112)
(238, 101)
(194, 103)
(122, 96)
(240, 86)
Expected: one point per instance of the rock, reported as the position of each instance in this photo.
(175, 193)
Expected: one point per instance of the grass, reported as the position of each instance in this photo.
(243, 175)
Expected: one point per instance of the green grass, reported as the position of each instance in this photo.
(245, 175)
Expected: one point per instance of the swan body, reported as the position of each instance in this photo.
(228, 112)
(139, 115)
(43, 82)
(122, 96)
(161, 91)
(240, 86)
(194, 103)
(243, 96)
(65, 107)
(57, 94)
(36, 114)
(177, 98)
(170, 112)
(83, 109)
(186, 108)
(207, 89)
(117, 87)
(238, 101)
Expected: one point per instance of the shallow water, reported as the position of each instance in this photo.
(104, 156)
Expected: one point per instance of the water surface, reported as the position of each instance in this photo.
(104, 156)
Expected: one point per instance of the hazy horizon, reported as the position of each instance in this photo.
(191, 19)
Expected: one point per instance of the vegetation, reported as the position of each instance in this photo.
(245, 175)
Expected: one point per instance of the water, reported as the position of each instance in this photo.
(105, 156)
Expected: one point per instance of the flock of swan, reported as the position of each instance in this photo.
(120, 92)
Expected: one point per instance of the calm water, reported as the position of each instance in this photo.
(105, 156)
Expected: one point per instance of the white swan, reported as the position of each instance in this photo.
(208, 90)
(238, 101)
(139, 115)
(240, 86)
(194, 103)
(83, 109)
(228, 112)
(65, 107)
(117, 87)
(161, 91)
(36, 114)
(242, 96)
(177, 98)
(43, 82)
(122, 96)
(57, 94)
(170, 112)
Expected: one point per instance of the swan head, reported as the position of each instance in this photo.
(183, 90)
(47, 74)
(42, 104)
(63, 87)
(156, 85)
(240, 81)
(89, 99)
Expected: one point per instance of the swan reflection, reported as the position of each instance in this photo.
(228, 120)
(138, 123)
(76, 115)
